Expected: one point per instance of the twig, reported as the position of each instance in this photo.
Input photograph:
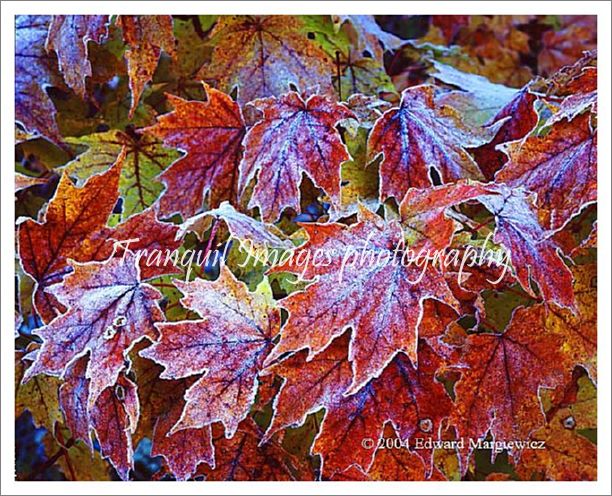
(51, 461)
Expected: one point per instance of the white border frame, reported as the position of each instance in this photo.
(10, 9)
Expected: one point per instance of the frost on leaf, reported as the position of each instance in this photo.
(114, 417)
(68, 37)
(210, 135)
(72, 217)
(74, 227)
(419, 135)
(145, 159)
(534, 255)
(244, 458)
(228, 345)
(263, 55)
(561, 168)
(381, 302)
(146, 37)
(501, 376)
(408, 397)
(295, 136)
(35, 70)
(109, 309)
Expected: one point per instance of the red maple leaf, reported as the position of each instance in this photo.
(560, 167)
(244, 457)
(421, 134)
(408, 397)
(501, 375)
(210, 133)
(382, 302)
(534, 255)
(114, 417)
(74, 227)
(109, 309)
(228, 345)
(293, 137)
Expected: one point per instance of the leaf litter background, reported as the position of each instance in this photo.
(190, 132)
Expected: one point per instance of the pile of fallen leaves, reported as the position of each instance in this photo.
(307, 133)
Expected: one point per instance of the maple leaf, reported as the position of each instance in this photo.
(146, 37)
(74, 227)
(294, 136)
(408, 397)
(71, 216)
(257, 375)
(228, 344)
(161, 404)
(39, 396)
(109, 309)
(419, 135)
(566, 454)
(68, 37)
(411, 399)
(381, 302)
(309, 385)
(395, 462)
(210, 135)
(518, 118)
(359, 74)
(359, 179)
(183, 450)
(563, 47)
(581, 94)
(501, 375)
(74, 400)
(145, 158)
(263, 55)
(144, 234)
(114, 417)
(370, 35)
(560, 167)
(478, 100)
(243, 458)
(35, 70)
(240, 226)
(424, 212)
(534, 256)
(579, 330)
